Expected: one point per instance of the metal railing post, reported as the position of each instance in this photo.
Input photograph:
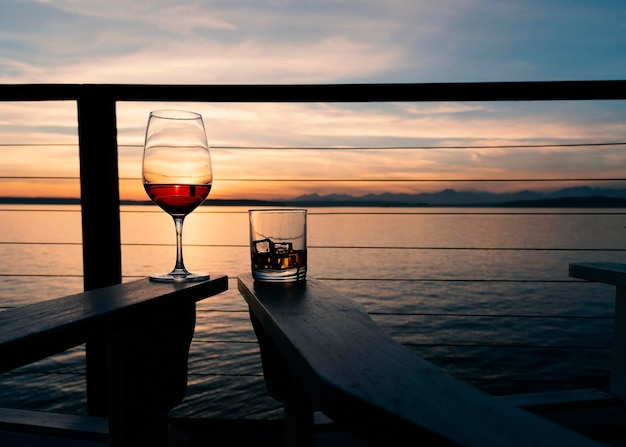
(100, 202)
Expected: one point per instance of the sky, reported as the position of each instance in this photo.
(323, 41)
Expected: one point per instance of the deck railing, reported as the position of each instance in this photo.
(98, 146)
(97, 132)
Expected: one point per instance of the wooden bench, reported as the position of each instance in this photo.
(145, 329)
(322, 352)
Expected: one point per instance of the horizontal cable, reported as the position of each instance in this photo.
(571, 382)
(412, 147)
(410, 314)
(83, 373)
(478, 212)
(445, 314)
(462, 248)
(480, 315)
(358, 180)
(48, 210)
(73, 143)
(501, 345)
(234, 311)
(209, 340)
(422, 180)
(39, 177)
(471, 213)
(449, 315)
(321, 278)
(447, 345)
(41, 275)
(492, 280)
(342, 247)
(41, 243)
(357, 148)
(214, 374)
(22, 372)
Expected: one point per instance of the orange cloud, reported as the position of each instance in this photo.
(258, 149)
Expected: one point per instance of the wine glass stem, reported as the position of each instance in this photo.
(180, 266)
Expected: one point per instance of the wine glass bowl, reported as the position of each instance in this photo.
(177, 174)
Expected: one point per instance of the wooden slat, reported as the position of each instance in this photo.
(360, 377)
(561, 398)
(33, 332)
(54, 424)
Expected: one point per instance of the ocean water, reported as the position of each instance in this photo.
(483, 293)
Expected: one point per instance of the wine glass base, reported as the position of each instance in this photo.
(172, 277)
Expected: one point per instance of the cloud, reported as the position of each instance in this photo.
(279, 42)
(176, 17)
(307, 41)
(329, 41)
(247, 62)
(242, 137)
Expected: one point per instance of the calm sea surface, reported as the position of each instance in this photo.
(471, 290)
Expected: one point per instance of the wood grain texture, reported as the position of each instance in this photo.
(360, 377)
(54, 424)
(33, 332)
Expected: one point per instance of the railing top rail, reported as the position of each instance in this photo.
(386, 92)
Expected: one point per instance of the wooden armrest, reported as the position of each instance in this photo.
(30, 333)
(614, 274)
(54, 424)
(604, 272)
(361, 378)
(142, 331)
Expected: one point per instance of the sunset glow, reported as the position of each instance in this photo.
(274, 151)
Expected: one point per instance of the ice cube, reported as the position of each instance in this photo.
(282, 247)
(262, 246)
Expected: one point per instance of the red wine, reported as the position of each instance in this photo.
(177, 200)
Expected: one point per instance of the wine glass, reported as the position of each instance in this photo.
(177, 174)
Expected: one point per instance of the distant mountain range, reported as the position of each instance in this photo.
(579, 196)
(575, 196)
